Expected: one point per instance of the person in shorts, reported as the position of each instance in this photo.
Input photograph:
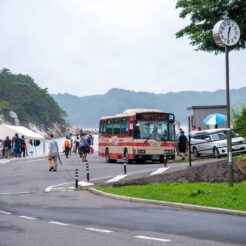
(53, 153)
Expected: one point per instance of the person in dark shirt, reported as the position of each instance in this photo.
(17, 146)
(23, 146)
(183, 142)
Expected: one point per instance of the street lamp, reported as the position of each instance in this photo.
(226, 33)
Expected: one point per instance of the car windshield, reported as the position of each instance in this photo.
(221, 135)
(160, 131)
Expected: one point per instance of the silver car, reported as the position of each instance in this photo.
(214, 142)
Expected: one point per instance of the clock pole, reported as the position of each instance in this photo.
(229, 144)
(226, 33)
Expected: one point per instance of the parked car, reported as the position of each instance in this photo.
(214, 142)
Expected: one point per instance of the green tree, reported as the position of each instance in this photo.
(239, 121)
(31, 103)
(204, 14)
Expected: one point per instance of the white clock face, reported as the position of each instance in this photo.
(227, 33)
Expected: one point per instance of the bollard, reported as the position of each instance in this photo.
(76, 178)
(165, 160)
(87, 171)
(125, 166)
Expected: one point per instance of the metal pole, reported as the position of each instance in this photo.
(87, 172)
(189, 145)
(229, 149)
(76, 178)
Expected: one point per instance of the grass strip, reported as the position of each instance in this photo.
(204, 194)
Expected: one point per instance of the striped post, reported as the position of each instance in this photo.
(76, 178)
(87, 171)
(125, 166)
(165, 160)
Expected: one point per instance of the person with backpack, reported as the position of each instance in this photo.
(67, 145)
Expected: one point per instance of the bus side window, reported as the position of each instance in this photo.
(109, 127)
(102, 128)
(124, 127)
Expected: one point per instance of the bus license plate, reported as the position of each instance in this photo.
(155, 157)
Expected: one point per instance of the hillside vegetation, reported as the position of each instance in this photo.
(86, 111)
(32, 104)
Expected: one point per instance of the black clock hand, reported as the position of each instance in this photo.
(229, 30)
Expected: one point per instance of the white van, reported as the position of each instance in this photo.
(214, 142)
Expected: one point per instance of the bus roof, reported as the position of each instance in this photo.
(132, 112)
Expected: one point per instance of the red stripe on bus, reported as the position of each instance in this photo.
(126, 144)
(115, 156)
(167, 145)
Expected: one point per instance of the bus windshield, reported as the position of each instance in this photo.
(160, 131)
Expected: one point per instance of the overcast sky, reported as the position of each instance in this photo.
(86, 47)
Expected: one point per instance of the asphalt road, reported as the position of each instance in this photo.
(31, 216)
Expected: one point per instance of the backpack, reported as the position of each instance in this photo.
(66, 143)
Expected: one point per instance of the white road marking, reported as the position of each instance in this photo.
(15, 193)
(48, 189)
(159, 171)
(153, 238)
(26, 217)
(58, 223)
(85, 183)
(117, 178)
(4, 212)
(102, 178)
(98, 230)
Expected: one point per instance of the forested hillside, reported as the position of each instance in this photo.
(32, 104)
(86, 111)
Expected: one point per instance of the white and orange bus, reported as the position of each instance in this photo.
(137, 135)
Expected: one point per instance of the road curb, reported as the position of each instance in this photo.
(15, 160)
(170, 204)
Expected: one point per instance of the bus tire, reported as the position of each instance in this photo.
(107, 159)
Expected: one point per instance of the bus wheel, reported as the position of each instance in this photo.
(107, 159)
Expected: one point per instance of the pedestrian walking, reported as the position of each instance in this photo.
(23, 146)
(90, 141)
(183, 142)
(67, 145)
(53, 153)
(84, 146)
(1, 149)
(76, 143)
(7, 147)
(16, 145)
(177, 140)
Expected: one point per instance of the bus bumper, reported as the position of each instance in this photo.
(154, 157)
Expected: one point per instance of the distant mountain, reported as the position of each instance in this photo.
(85, 111)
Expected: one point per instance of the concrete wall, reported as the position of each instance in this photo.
(198, 114)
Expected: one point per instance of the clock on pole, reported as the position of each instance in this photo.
(226, 33)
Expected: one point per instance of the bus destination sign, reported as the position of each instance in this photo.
(155, 117)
